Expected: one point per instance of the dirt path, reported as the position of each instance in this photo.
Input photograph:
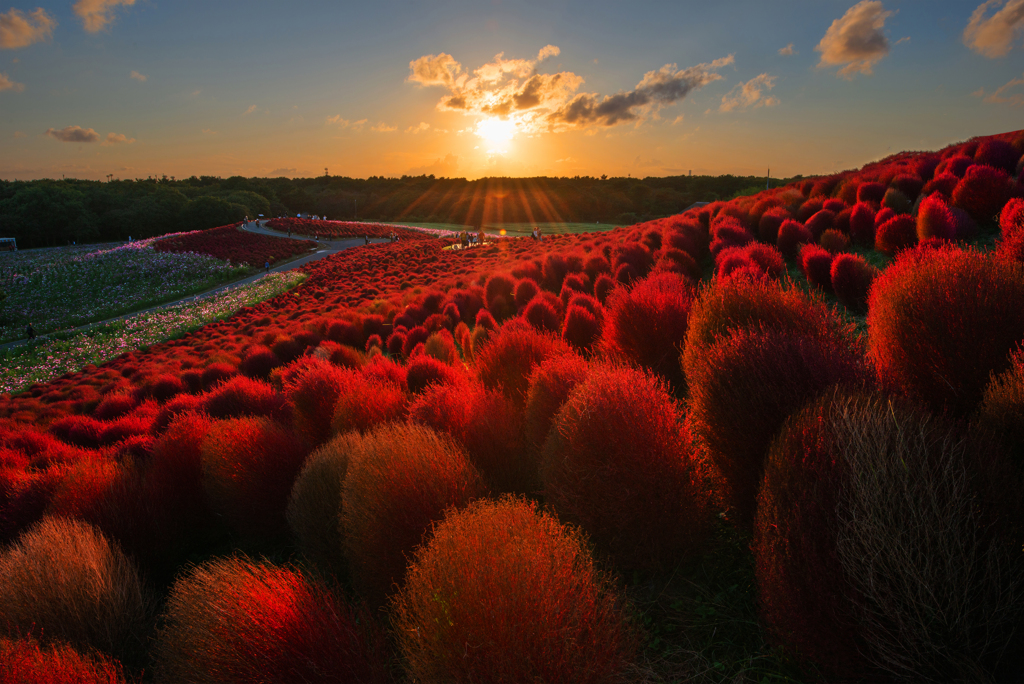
(326, 249)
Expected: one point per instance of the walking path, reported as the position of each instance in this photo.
(326, 248)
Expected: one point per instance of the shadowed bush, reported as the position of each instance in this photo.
(862, 224)
(583, 323)
(312, 395)
(258, 362)
(249, 465)
(24, 661)
(647, 325)
(940, 321)
(889, 530)
(935, 220)
(897, 233)
(504, 593)
(617, 435)
(997, 153)
(424, 371)
(820, 222)
(526, 289)
(242, 396)
(982, 192)
(315, 503)
(234, 620)
(745, 386)
(1011, 218)
(550, 385)
(897, 201)
(488, 426)
(871, 192)
(543, 314)
(63, 581)
(400, 480)
(792, 234)
(816, 264)
(509, 358)
(1002, 410)
(851, 280)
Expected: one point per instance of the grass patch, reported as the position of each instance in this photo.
(58, 354)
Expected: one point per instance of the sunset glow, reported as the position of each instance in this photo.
(497, 132)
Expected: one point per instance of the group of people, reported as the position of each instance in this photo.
(467, 238)
(536, 234)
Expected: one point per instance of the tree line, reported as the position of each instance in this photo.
(46, 213)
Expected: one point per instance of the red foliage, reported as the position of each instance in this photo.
(242, 396)
(792, 234)
(1011, 218)
(233, 620)
(941, 321)
(231, 243)
(997, 153)
(820, 222)
(249, 465)
(424, 371)
(935, 220)
(345, 229)
(982, 192)
(509, 358)
(526, 289)
(769, 224)
(615, 436)
(870, 192)
(373, 398)
(312, 395)
(898, 233)
(544, 314)
(851, 280)
(816, 265)
(23, 661)
(583, 323)
(521, 591)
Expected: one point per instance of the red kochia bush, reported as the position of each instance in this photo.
(399, 481)
(816, 264)
(982, 192)
(885, 544)
(997, 153)
(940, 321)
(503, 593)
(233, 620)
(242, 396)
(792, 234)
(618, 435)
(312, 395)
(584, 320)
(935, 220)
(508, 359)
(487, 425)
(550, 385)
(249, 465)
(543, 313)
(647, 325)
(896, 234)
(1011, 218)
(745, 386)
(851, 279)
(862, 224)
(24, 661)
(424, 371)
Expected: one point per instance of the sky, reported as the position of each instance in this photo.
(467, 88)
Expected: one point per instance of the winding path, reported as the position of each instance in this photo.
(326, 249)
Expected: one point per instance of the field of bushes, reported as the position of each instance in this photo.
(778, 438)
(232, 244)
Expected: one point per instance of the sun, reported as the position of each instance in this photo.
(497, 132)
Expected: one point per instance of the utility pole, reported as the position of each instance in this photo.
(355, 209)
(768, 185)
(109, 176)
(326, 175)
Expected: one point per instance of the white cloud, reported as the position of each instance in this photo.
(138, 77)
(74, 134)
(7, 84)
(856, 40)
(96, 15)
(750, 94)
(788, 50)
(18, 30)
(548, 51)
(993, 36)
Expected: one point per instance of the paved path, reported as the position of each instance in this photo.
(326, 249)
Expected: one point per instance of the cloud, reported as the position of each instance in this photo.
(749, 94)
(993, 36)
(1012, 93)
(678, 120)
(424, 126)
(548, 51)
(277, 173)
(336, 120)
(441, 168)
(74, 134)
(436, 70)
(118, 138)
(856, 39)
(7, 84)
(788, 50)
(382, 127)
(210, 131)
(250, 110)
(18, 30)
(657, 89)
(96, 15)
(19, 134)
(139, 77)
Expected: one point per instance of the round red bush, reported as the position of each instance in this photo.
(242, 396)
(851, 280)
(312, 395)
(898, 233)
(1011, 218)
(792, 234)
(519, 587)
(935, 220)
(399, 482)
(233, 620)
(424, 371)
(820, 222)
(997, 153)
(617, 434)
(816, 265)
(550, 385)
(543, 314)
(509, 358)
(870, 192)
(941, 321)
(526, 290)
(982, 192)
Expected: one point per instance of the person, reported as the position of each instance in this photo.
(30, 332)
(366, 239)
(480, 236)
(266, 265)
(533, 233)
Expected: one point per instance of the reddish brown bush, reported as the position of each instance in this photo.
(424, 371)
(583, 323)
(114, 406)
(234, 620)
(862, 224)
(312, 395)
(249, 465)
(616, 435)
(24, 661)
(647, 325)
(400, 480)
(544, 314)
(935, 220)
(769, 224)
(258, 362)
(526, 289)
(982, 192)
(509, 358)
(898, 233)
(792, 234)
(745, 386)
(820, 222)
(242, 396)
(897, 201)
(941, 321)
(488, 426)
(502, 592)
(871, 192)
(816, 264)
(997, 153)
(1011, 218)
(851, 279)
(550, 385)
(64, 582)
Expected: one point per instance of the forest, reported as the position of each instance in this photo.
(47, 213)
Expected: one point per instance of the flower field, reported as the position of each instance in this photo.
(776, 438)
(346, 229)
(234, 245)
(56, 289)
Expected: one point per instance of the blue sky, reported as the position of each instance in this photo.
(270, 88)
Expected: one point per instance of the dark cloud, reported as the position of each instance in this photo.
(74, 134)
